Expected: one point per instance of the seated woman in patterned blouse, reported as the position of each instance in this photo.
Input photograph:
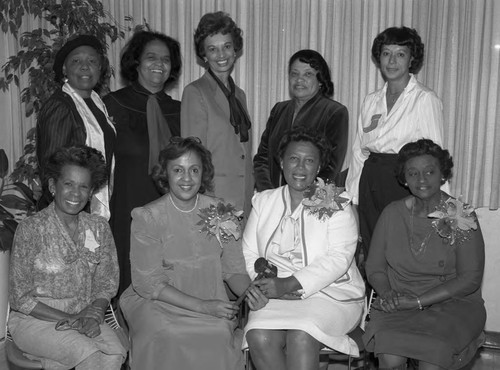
(64, 271)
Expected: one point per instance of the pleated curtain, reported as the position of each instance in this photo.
(461, 37)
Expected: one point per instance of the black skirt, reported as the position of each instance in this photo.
(378, 186)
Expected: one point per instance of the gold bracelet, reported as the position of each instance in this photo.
(420, 307)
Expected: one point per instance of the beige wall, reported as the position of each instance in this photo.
(490, 224)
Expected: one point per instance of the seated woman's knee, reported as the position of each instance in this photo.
(261, 339)
(301, 339)
(388, 361)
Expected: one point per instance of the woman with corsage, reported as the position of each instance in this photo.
(177, 307)
(76, 115)
(64, 271)
(215, 109)
(403, 110)
(311, 106)
(426, 264)
(318, 295)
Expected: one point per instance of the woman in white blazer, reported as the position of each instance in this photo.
(318, 296)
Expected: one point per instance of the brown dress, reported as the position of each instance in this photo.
(167, 247)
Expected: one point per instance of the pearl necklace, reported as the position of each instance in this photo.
(181, 210)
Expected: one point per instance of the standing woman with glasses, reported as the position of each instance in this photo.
(214, 109)
(145, 118)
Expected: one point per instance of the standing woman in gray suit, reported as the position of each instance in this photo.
(214, 109)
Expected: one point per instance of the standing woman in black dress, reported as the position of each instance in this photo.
(145, 118)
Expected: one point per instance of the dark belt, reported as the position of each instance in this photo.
(383, 158)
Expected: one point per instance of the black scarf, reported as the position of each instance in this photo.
(158, 130)
(238, 116)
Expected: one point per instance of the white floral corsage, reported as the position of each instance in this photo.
(323, 199)
(454, 220)
(222, 221)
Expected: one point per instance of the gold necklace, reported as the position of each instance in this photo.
(394, 96)
(420, 249)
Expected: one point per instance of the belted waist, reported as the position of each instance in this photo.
(383, 158)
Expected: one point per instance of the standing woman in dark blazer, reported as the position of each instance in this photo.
(214, 109)
(145, 118)
(311, 106)
(75, 114)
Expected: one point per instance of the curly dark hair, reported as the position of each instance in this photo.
(177, 147)
(213, 23)
(316, 61)
(134, 48)
(81, 156)
(424, 147)
(301, 133)
(404, 36)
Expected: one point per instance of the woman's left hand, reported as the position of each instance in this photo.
(94, 312)
(90, 327)
(407, 302)
(255, 298)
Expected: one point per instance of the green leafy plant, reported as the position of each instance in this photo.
(18, 192)
(63, 19)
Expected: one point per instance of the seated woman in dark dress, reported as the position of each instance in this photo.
(426, 264)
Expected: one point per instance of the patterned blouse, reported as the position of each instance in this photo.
(48, 267)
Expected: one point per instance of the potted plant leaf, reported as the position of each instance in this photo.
(4, 253)
(38, 47)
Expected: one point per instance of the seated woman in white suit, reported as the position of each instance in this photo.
(318, 295)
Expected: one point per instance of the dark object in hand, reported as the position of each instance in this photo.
(264, 269)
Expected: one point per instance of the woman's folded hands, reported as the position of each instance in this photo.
(392, 301)
(85, 322)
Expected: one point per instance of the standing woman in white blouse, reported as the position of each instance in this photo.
(404, 110)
